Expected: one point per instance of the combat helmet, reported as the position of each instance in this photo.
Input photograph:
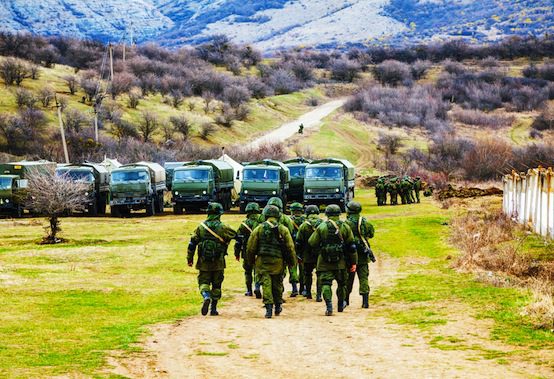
(332, 210)
(277, 202)
(252, 208)
(353, 207)
(312, 210)
(215, 209)
(271, 211)
(296, 207)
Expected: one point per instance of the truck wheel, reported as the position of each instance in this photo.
(102, 205)
(115, 211)
(151, 208)
(19, 211)
(93, 209)
(178, 209)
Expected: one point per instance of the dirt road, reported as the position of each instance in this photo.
(303, 343)
(310, 120)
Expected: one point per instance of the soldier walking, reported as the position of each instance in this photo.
(417, 188)
(245, 230)
(334, 241)
(212, 238)
(270, 248)
(297, 218)
(362, 231)
(381, 192)
(307, 256)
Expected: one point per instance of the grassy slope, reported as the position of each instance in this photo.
(265, 113)
(66, 306)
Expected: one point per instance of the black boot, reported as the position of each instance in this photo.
(318, 297)
(278, 309)
(308, 294)
(365, 300)
(294, 292)
(329, 309)
(347, 300)
(206, 303)
(268, 310)
(248, 290)
(213, 310)
(340, 305)
(257, 291)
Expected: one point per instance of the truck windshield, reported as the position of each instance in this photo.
(297, 171)
(76, 176)
(323, 173)
(129, 176)
(5, 183)
(191, 175)
(261, 174)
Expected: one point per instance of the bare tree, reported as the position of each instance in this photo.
(46, 95)
(34, 71)
(52, 196)
(25, 98)
(182, 125)
(72, 83)
(389, 144)
(14, 70)
(206, 130)
(148, 125)
(135, 94)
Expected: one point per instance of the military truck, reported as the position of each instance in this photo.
(263, 180)
(13, 183)
(169, 167)
(297, 168)
(195, 184)
(137, 186)
(329, 181)
(97, 177)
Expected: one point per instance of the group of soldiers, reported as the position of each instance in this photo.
(270, 243)
(406, 187)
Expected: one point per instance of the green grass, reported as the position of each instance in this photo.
(66, 307)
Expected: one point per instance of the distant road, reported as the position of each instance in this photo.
(310, 120)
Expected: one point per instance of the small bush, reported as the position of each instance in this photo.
(479, 118)
(25, 98)
(393, 72)
(206, 130)
(344, 70)
(419, 69)
(545, 121)
(46, 94)
(487, 159)
(545, 71)
(135, 94)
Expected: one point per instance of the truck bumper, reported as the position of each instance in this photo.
(323, 198)
(129, 201)
(260, 199)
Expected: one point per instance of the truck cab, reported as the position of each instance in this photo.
(297, 168)
(329, 181)
(169, 168)
(262, 181)
(96, 176)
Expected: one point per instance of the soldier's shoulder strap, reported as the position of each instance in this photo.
(337, 229)
(296, 226)
(209, 230)
(362, 237)
(247, 227)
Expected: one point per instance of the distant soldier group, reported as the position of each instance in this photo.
(406, 187)
(271, 243)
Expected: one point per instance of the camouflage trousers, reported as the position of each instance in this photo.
(362, 270)
(309, 269)
(211, 281)
(293, 274)
(249, 274)
(327, 278)
(272, 288)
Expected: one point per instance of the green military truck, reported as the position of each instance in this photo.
(137, 186)
(263, 180)
(98, 179)
(13, 183)
(195, 184)
(297, 168)
(329, 181)
(169, 168)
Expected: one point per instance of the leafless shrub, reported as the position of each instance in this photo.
(46, 94)
(168, 131)
(313, 101)
(14, 71)
(89, 84)
(122, 129)
(182, 125)
(52, 196)
(487, 159)
(72, 83)
(545, 71)
(134, 95)
(545, 121)
(148, 125)
(276, 151)
(344, 70)
(75, 120)
(121, 83)
(541, 309)
(206, 129)
(479, 118)
(453, 67)
(419, 68)
(34, 71)
(25, 98)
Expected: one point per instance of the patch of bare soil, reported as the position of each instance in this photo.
(303, 343)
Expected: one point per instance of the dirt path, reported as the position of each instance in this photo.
(310, 120)
(302, 343)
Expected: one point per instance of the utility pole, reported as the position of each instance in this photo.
(62, 131)
(95, 123)
(123, 51)
(110, 49)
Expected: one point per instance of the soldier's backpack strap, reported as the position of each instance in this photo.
(337, 229)
(294, 224)
(212, 233)
(247, 227)
(362, 237)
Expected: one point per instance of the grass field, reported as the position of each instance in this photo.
(66, 307)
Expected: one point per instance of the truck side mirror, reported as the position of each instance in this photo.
(22, 183)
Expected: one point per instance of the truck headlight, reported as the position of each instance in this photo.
(337, 190)
(7, 201)
(309, 190)
(246, 192)
(204, 192)
(274, 192)
(176, 192)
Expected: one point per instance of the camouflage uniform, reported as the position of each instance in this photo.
(270, 248)
(305, 253)
(417, 188)
(362, 230)
(392, 189)
(334, 241)
(297, 219)
(245, 229)
(381, 192)
(212, 238)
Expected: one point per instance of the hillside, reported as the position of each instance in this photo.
(279, 24)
